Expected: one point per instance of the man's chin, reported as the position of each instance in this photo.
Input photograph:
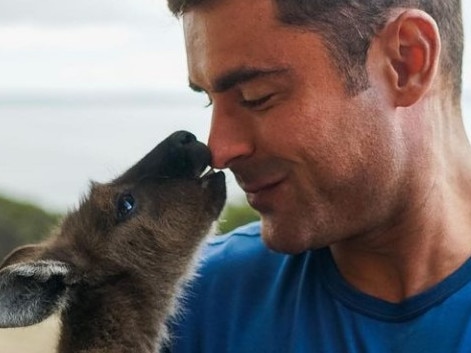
(294, 237)
(282, 238)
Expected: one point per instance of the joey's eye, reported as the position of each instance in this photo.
(125, 206)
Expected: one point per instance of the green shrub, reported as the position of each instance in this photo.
(22, 223)
(235, 215)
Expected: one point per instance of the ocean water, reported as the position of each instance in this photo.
(52, 146)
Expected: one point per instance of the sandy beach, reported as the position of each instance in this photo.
(40, 338)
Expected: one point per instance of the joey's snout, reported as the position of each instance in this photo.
(180, 155)
(187, 157)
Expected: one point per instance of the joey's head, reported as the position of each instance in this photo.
(144, 227)
(150, 220)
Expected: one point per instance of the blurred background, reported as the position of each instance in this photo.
(86, 89)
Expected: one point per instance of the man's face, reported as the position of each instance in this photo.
(320, 166)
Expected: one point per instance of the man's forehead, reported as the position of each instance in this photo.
(227, 38)
(245, 13)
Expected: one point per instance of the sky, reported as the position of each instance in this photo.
(89, 45)
(94, 49)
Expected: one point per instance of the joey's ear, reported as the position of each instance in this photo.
(411, 44)
(22, 254)
(31, 291)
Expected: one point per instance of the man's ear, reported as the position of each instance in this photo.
(411, 44)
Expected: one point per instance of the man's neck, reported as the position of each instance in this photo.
(424, 246)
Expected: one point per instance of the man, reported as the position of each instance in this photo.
(341, 121)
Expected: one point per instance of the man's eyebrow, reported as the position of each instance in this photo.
(238, 76)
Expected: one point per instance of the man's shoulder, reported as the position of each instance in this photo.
(238, 241)
(241, 251)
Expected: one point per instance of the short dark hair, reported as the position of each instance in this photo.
(348, 26)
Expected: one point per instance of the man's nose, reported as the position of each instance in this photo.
(231, 137)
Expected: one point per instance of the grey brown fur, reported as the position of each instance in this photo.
(117, 265)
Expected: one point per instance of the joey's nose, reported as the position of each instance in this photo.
(180, 155)
(184, 155)
(182, 138)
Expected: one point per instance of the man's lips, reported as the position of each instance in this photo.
(264, 182)
(262, 194)
(259, 186)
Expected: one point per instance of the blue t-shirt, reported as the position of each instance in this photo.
(250, 299)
